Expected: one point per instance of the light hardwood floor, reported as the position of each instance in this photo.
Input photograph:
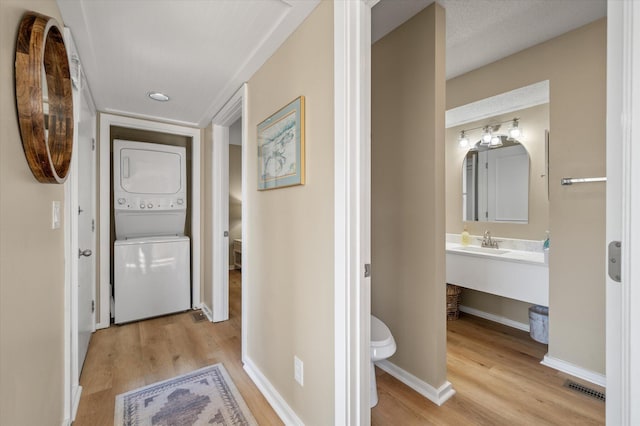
(498, 379)
(494, 369)
(123, 358)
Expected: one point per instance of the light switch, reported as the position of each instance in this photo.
(55, 215)
(298, 370)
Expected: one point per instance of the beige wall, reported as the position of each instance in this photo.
(290, 252)
(31, 260)
(235, 185)
(534, 121)
(575, 65)
(408, 221)
(504, 307)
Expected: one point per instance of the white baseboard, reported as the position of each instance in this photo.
(438, 396)
(75, 403)
(74, 407)
(100, 326)
(206, 311)
(574, 370)
(495, 318)
(279, 405)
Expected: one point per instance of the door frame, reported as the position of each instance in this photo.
(352, 210)
(233, 109)
(106, 121)
(81, 91)
(623, 211)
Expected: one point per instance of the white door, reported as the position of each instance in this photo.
(220, 177)
(623, 212)
(86, 227)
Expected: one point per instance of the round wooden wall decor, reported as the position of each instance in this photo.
(46, 122)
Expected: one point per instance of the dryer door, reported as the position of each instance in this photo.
(150, 172)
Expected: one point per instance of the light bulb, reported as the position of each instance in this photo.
(486, 136)
(514, 131)
(463, 141)
(496, 141)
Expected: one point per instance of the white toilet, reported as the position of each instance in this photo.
(382, 347)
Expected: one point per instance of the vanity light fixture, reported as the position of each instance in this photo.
(463, 141)
(490, 137)
(158, 96)
(514, 131)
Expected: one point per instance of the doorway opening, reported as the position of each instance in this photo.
(229, 240)
(110, 126)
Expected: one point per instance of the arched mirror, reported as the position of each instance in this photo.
(495, 182)
(44, 97)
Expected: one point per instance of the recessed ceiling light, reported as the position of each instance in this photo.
(157, 96)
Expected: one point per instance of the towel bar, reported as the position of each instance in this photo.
(571, 181)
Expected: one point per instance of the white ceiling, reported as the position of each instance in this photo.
(482, 31)
(199, 52)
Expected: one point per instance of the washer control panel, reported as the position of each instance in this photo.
(148, 203)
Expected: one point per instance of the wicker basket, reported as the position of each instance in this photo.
(453, 302)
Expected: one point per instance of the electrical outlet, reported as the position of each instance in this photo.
(298, 370)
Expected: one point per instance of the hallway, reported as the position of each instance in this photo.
(122, 358)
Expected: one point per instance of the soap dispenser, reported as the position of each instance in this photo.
(464, 237)
(545, 248)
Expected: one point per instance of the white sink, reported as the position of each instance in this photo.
(485, 250)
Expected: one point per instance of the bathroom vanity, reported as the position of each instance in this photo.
(517, 269)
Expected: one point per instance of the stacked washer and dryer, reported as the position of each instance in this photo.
(151, 253)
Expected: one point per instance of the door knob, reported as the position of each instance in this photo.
(85, 252)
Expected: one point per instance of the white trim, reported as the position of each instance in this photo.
(436, 395)
(495, 318)
(72, 388)
(631, 212)
(514, 100)
(246, 238)
(206, 311)
(614, 157)
(229, 114)
(277, 402)
(220, 221)
(106, 121)
(145, 117)
(628, 352)
(574, 370)
(76, 402)
(623, 211)
(70, 379)
(352, 129)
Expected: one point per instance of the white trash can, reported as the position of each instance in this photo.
(539, 323)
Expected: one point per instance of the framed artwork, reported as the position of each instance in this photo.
(281, 147)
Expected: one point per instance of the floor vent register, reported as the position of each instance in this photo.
(585, 390)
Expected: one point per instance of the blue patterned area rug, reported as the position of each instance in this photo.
(202, 397)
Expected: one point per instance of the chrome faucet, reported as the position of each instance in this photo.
(487, 241)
